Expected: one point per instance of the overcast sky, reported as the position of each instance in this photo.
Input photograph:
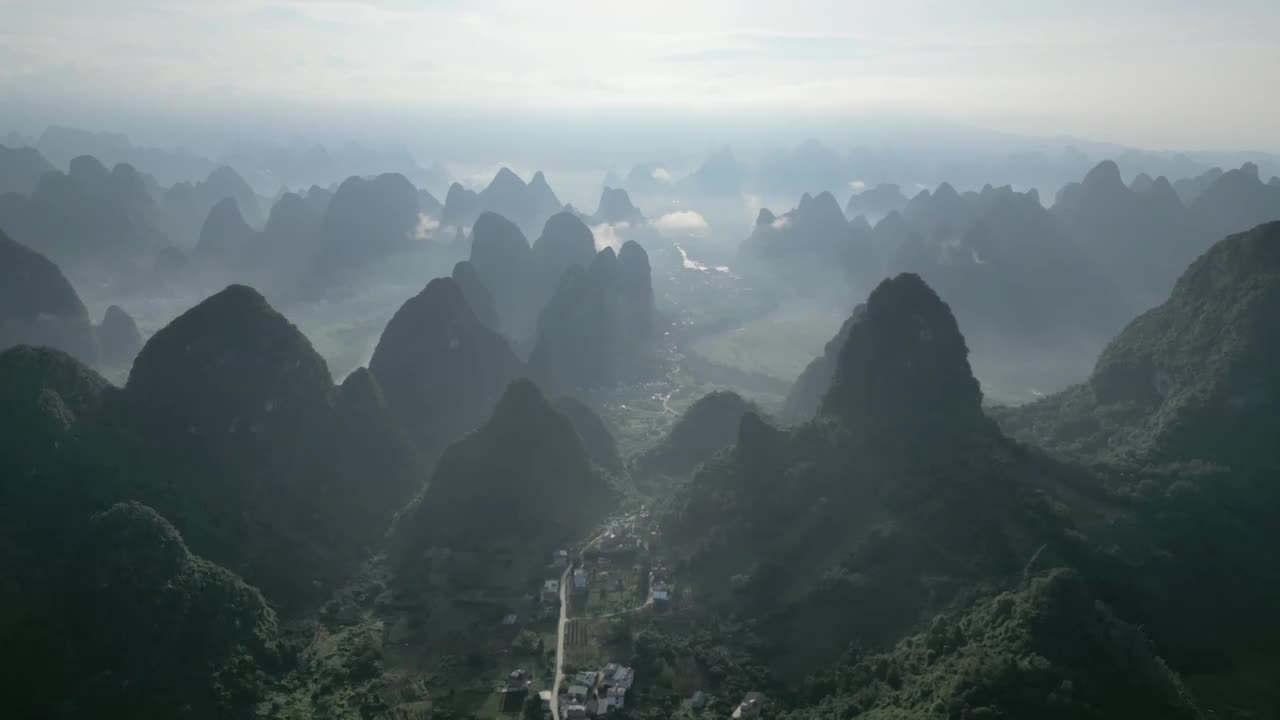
(1162, 73)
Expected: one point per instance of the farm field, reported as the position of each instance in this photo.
(778, 345)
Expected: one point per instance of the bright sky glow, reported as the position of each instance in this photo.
(1159, 73)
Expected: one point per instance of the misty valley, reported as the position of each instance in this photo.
(803, 434)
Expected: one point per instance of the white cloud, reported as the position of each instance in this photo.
(781, 223)
(607, 235)
(857, 186)
(661, 174)
(682, 222)
(426, 227)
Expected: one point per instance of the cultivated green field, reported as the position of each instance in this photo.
(779, 344)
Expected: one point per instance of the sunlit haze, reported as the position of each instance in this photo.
(1179, 75)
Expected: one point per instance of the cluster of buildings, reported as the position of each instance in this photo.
(597, 693)
(660, 584)
(623, 535)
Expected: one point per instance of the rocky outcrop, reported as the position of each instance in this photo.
(904, 361)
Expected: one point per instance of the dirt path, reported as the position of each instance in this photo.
(666, 404)
(563, 625)
(560, 629)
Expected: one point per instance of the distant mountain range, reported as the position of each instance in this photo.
(1101, 253)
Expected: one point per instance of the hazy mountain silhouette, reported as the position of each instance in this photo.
(291, 237)
(1144, 238)
(635, 299)
(515, 470)
(442, 369)
(811, 246)
(89, 218)
(595, 434)
(461, 206)
(527, 205)
(187, 205)
(1236, 202)
(615, 207)
(810, 166)
(225, 236)
(565, 241)
(428, 203)
(707, 427)
(503, 259)
(119, 339)
(21, 169)
(38, 306)
(720, 174)
(576, 338)
(809, 388)
(1190, 188)
(876, 202)
(62, 144)
(367, 218)
(477, 295)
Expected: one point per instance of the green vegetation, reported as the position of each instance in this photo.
(894, 555)
(1047, 650)
(778, 345)
(156, 629)
(523, 475)
(1193, 379)
(708, 426)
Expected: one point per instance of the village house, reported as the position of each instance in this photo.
(579, 580)
(615, 698)
(587, 679)
(560, 559)
(576, 711)
(616, 676)
(551, 591)
(544, 697)
(517, 679)
(578, 693)
(750, 706)
(514, 691)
